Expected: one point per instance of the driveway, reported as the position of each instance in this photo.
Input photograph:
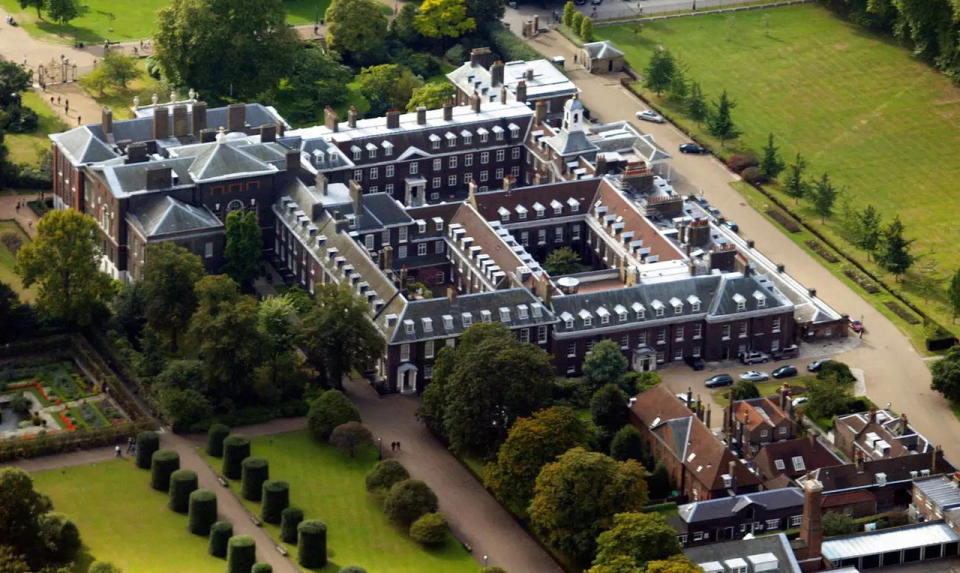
(894, 371)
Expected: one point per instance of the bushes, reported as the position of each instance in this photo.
(182, 484)
(753, 175)
(312, 544)
(235, 449)
(864, 282)
(938, 337)
(818, 248)
(220, 534)
(385, 474)
(215, 437)
(353, 569)
(262, 568)
(740, 161)
(328, 411)
(348, 437)
(162, 465)
(786, 221)
(429, 529)
(408, 500)
(241, 554)
(203, 511)
(254, 472)
(507, 44)
(290, 519)
(276, 498)
(147, 443)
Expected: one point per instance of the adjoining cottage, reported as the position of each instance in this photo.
(602, 57)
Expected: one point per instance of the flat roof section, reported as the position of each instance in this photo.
(887, 541)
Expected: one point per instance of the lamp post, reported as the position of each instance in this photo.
(485, 560)
(379, 448)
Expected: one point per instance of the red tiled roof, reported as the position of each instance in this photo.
(846, 498)
(774, 415)
(619, 205)
(815, 455)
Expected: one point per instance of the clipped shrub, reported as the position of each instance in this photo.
(182, 484)
(328, 411)
(290, 518)
(429, 529)
(203, 511)
(312, 544)
(740, 161)
(353, 569)
(262, 568)
(493, 570)
(408, 500)
(147, 443)
(215, 437)
(236, 448)
(275, 498)
(753, 175)
(162, 465)
(241, 554)
(220, 534)
(254, 472)
(385, 474)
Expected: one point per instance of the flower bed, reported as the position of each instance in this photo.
(816, 247)
(785, 220)
(36, 386)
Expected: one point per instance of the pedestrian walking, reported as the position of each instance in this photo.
(119, 453)
(66, 106)
(58, 100)
(398, 446)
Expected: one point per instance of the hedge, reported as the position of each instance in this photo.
(220, 534)
(262, 568)
(62, 442)
(182, 484)
(162, 465)
(290, 518)
(429, 529)
(241, 554)
(385, 474)
(312, 544)
(276, 498)
(236, 448)
(147, 443)
(203, 511)
(215, 436)
(254, 471)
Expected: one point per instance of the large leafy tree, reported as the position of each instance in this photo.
(627, 444)
(316, 79)
(946, 375)
(562, 261)
(441, 19)
(488, 381)
(606, 364)
(64, 261)
(21, 511)
(225, 50)
(576, 497)
(277, 322)
(720, 122)
(660, 71)
(642, 537)
(169, 276)
(337, 336)
(328, 411)
(894, 250)
(17, 318)
(244, 242)
(485, 10)
(357, 29)
(532, 443)
(38, 4)
(62, 11)
(608, 408)
(14, 79)
(431, 95)
(387, 86)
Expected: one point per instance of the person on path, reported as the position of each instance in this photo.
(119, 453)
(66, 106)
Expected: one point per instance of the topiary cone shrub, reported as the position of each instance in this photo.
(182, 484)
(215, 437)
(254, 471)
(276, 498)
(220, 534)
(162, 465)
(241, 554)
(312, 544)
(147, 443)
(236, 448)
(290, 518)
(203, 511)
(262, 568)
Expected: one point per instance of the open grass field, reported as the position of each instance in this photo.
(859, 107)
(329, 486)
(7, 262)
(27, 148)
(124, 521)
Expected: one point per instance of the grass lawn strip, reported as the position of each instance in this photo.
(8, 260)
(28, 148)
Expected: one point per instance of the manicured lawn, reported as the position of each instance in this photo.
(120, 100)
(8, 260)
(330, 487)
(859, 107)
(768, 388)
(123, 521)
(27, 148)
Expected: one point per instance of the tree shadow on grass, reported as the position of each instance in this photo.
(71, 32)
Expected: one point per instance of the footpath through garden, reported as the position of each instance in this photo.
(26, 217)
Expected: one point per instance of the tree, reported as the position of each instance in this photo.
(771, 165)
(21, 511)
(532, 443)
(38, 4)
(242, 252)
(328, 411)
(431, 95)
(337, 336)
(277, 323)
(576, 21)
(867, 228)
(720, 123)
(357, 28)
(408, 500)
(440, 19)
(586, 30)
(349, 436)
(485, 10)
(562, 261)
(953, 295)
(795, 185)
(13, 561)
(619, 564)
(697, 104)
(569, 9)
(837, 523)
(627, 444)
(483, 385)
(659, 482)
(824, 195)
(225, 50)
(385, 474)
(402, 27)
(315, 79)
(430, 529)
(642, 537)
(634, 383)
(946, 375)
(387, 86)
(59, 535)
(576, 497)
(660, 70)
(64, 261)
(182, 408)
(674, 564)
(829, 395)
(894, 251)
(18, 319)
(103, 567)
(744, 390)
(14, 79)
(118, 67)
(608, 408)
(679, 87)
(62, 11)
(606, 364)
(169, 276)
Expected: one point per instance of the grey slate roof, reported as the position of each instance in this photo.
(604, 49)
(745, 287)
(157, 216)
(221, 160)
(571, 143)
(711, 556)
(727, 506)
(82, 145)
(124, 179)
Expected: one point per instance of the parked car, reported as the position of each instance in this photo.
(713, 211)
(596, 2)
(754, 376)
(648, 115)
(732, 226)
(580, 2)
(694, 148)
(694, 362)
(816, 365)
(785, 371)
(800, 401)
(719, 381)
(786, 352)
(856, 326)
(753, 357)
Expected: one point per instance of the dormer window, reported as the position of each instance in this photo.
(467, 319)
(677, 305)
(467, 137)
(567, 319)
(408, 326)
(694, 303)
(540, 209)
(523, 312)
(504, 314)
(639, 310)
(437, 224)
(387, 148)
(448, 322)
(740, 301)
(498, 132)
(574, 205)
(371, 150)
(484, 134)
(434, 141)
(486, 316)
(356, 152)
(421, 226)
(504, 214)
(657, 307)
(537, 309)
(760, 298)
(586, 317)
(514, 130)
(604, 315)
(428, 325)
(451, 139)
(621, 313)
(521, 212)
(557, 207)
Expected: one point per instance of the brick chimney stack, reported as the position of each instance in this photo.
(811, 529)
(522, 91)
(448, 110)
(475, 102)
(496, 74)
(352, 116)
(330, 118)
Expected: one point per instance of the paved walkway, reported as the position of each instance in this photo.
(475, 517)
(24, 215)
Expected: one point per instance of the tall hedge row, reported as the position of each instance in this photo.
(241, 554)
(215, 437)
(147, 443)
(182, 484)
(236, 448)
(254, 471)
(220, 534)
(163, 463)
(203, 511)
(262, 568)
(312, 544)
(276, 498)
(290, 518)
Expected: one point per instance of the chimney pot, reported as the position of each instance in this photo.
(106, 120)
(421, 115)
(393, 119)
(161, 125)
(181, 126)
(475, 102)
(448, 111)
(198, 117)
(236, 117)
(330, 118)
(352, 116)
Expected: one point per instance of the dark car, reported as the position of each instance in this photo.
(694, 148)
(816, 365)
(719, 381)
(596, 2)
(694, 362)
(784, 372)
(580, 2)
(732, 226)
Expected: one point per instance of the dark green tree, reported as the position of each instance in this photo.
(720, 123)
(387, 86)
(430, 529)
(771, 165)
(894, 254)
(21, 511)
(278, 324)
(328, 411)
(838, 523)
(15, 78)
(357, 28)
(824, 195)
(408, 500)
(349, 436)
(660, 70)
(60, 536)
(562, 261)
(953, 295)
(169, 276)
(608, 408)
(795, 185)
(18, 319)
(744, 390)
(385, 474)
(586, 30)
(431, 95)
(679, 89)
(485, 10)
(242, 252)
(627, 444)
(697, 107)
(569, 9)
(659, 482)
(642, 537)
(402, 27)
(38, 4)
(946, 375)
(316, 79)
(867, 229)
(606, 364)
(62, 11)
(118, 68)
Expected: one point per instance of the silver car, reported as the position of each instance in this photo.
(647, 115)
(754, 376)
